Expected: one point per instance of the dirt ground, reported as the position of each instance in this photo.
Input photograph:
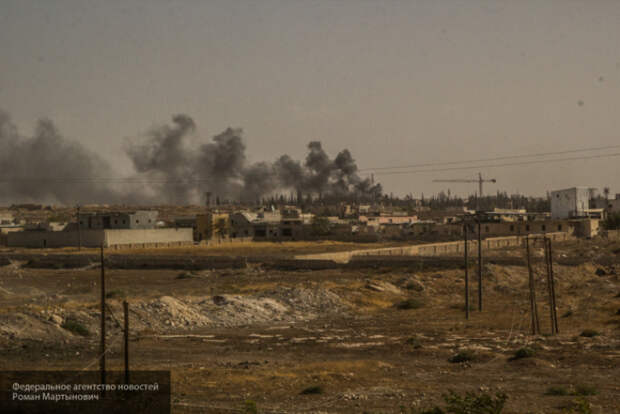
(243, 336)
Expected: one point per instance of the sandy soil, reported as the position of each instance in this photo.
(231, 336)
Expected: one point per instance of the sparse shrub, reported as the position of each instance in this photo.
(557, 390)
(585, 390)
(75, 327)
(249, 407)
(115, 294)
(435, 410)
(590, 333)
(567, 313)
(409, 304)
(465, 355)
(185, 275)
(523, 353)
(315, 389)
(580, 406)
(414, 342)
(472, 403)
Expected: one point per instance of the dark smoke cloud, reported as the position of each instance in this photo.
(171, 165)
(48, 168)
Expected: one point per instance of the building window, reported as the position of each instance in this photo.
(559, 227)
(527, 227)
(137, 221)
(115, 221)
(512, 227)
(486, 229)
(123, 221)
(543, 227)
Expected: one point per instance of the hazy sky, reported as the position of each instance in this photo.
(396, 82)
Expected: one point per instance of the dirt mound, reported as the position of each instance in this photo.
(281, 305)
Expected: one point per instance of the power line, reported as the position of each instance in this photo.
(506, 157)
(473, 167)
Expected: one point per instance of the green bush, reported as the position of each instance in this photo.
(585, 390)
(589, 333)
(75, 327)
(523, 353)
(612, 222)
(409, 304)
(580, 406)
(115, 294)
(472, 403)
(462, 356)
(414, 342)
(557, 390)
(315, 389)
(249, 407)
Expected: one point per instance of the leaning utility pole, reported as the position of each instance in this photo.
(102, 346)
(79, 231)
(126, 312)
(533, 307)
(551, 287)
(466, 272)
(479, 264)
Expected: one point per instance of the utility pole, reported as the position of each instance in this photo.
(479, 264)
(554, 308)
(126, 312)
(533, 307)
(466, 272)
(102, 347)
(79, 231)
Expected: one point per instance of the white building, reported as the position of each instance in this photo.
(611, 206)
(570, 203)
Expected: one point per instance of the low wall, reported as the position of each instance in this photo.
(48, 239)
(611, 234)
(114, 238)
(146, 238)
(433, 249)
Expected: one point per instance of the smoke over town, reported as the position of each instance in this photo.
(48, 168)
(173, 164)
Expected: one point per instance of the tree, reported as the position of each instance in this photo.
(320, 226)
(612, 222)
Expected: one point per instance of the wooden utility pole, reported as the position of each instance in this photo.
(126, 312)
(533, 307)
(466, 271)
(102, 347)
(479, 265)
(79, 230)
(554, 307)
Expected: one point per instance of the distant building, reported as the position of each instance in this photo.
(212, 226)
(6, 218)
(141, 219)
(570, 203)
(611, 206)
(110, 229)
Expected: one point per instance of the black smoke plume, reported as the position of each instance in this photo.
(172, 164)
(48, 168)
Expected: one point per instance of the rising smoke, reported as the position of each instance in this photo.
(173, 165)
(47, 167)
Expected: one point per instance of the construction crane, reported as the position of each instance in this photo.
(480, 180)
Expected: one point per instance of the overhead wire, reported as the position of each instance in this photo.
(500, 158)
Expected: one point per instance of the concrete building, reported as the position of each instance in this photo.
(6, 218)
(141, 219)
(570, 203)
(212, 225)
(610, 206)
